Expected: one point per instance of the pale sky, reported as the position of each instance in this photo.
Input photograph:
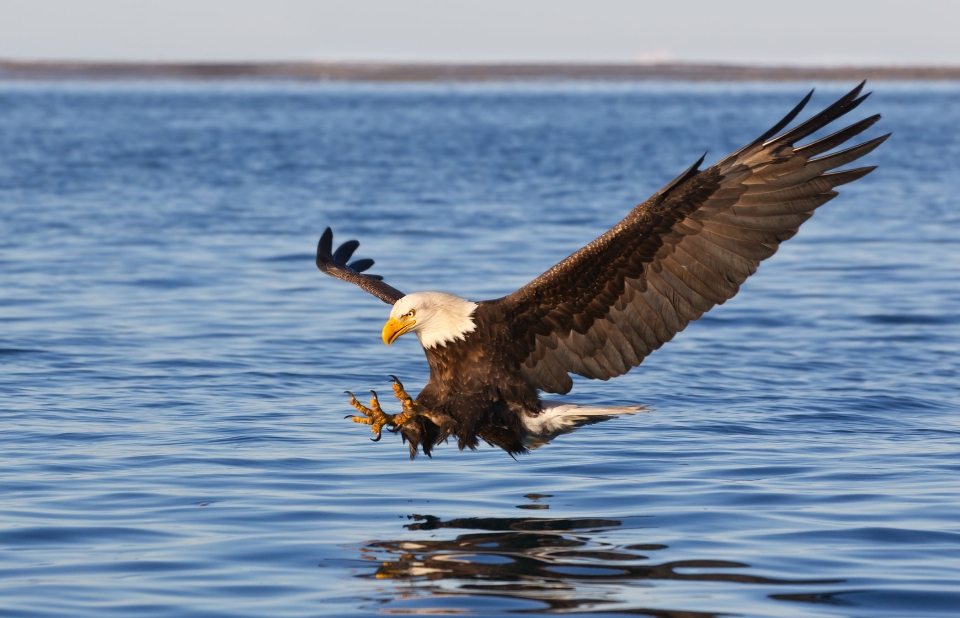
(819, 32)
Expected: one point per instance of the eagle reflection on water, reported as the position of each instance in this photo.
(536, 565)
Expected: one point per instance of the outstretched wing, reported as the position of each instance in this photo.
(334, 263)
(602, 310)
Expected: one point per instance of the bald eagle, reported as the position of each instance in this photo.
(601, 311)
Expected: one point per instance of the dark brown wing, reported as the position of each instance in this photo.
(334, 263)
(602, 310)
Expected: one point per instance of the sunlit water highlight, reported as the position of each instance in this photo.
(172, 438)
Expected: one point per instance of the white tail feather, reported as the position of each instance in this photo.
(558, 418)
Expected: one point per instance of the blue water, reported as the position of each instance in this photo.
(172, 363)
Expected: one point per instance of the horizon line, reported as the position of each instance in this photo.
(385, 71)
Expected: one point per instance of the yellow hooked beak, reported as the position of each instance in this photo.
(394, 328)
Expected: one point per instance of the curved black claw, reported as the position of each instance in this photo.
(349, 416)
(396, 381)
(349, 393)
(377, 439)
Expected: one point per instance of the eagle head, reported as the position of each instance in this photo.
(437, 318)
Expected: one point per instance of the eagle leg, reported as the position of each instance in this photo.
(410, 407)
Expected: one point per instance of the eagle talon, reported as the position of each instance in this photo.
(375, 416)
(380, 420)
(369, 416)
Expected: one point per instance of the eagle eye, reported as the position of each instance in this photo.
(410, 313)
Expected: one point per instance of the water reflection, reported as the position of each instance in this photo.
(533, 565)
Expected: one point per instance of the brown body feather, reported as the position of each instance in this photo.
(479, 387)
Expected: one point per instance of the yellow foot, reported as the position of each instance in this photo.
(377, 418)
(373, 416)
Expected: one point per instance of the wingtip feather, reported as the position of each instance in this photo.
(836, 139)
(345, 251)
(361, 264)
(687, 174)
(786, 119)
(325, 246)
(838, 108)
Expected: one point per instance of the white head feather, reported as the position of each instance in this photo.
(441, 318)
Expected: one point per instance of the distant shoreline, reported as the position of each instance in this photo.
(450, 72)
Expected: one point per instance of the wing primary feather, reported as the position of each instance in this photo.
(809, 188)
(785, 120)
(832, 141)
(847, 176)
(770, 223)
(325, 246)
(777, 127)
(361, 265)
(843, 105)
(807, 204)
(761, 193)
(751, 251)
(345, 251)
(843, 157)
(689, 173)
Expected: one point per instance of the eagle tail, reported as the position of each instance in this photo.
(558, 418)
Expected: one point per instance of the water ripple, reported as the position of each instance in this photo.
(173, 441)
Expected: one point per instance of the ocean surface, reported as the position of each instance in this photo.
(172, 364)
